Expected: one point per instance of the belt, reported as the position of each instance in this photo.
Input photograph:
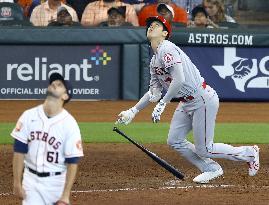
(190, 97)
(44, 174)
(186, 99)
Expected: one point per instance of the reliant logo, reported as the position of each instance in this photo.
(243, 71)
(41, 69)
(100, 56)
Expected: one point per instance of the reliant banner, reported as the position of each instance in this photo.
(92, 70)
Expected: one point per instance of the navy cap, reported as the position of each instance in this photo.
(120, 10)
(67, 84)
(62, 9)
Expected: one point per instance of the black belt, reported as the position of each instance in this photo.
(44, 174)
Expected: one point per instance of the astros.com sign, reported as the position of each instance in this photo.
(40, 70)
(244, 72)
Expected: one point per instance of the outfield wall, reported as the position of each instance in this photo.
(112, 63)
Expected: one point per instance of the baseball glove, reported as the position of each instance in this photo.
(60, 202)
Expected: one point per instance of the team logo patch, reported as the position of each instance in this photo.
(168, 57)
(79, 145)
(18, 126)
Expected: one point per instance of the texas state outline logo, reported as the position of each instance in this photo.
(99, 56)
(244, 71)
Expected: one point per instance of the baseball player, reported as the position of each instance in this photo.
(174, 74)
(47, 148)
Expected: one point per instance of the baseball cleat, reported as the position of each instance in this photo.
(205, 177)
(254, 166)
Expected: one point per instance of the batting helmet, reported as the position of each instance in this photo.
(161, 19)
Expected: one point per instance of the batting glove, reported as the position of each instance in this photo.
(158, 110)
(125, 117)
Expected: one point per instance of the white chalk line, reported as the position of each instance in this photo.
(139, 189)
(159, 188)
(204, 186)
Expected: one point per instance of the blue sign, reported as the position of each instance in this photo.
(235, 73)
(94, 71)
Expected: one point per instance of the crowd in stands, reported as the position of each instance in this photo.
(111, 13)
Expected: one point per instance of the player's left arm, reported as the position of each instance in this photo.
(178, 78)
(172, 63)
(69, 181)
(177, 81)
(73, 151)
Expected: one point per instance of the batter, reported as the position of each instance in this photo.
(173, 73)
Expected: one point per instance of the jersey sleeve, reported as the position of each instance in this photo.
(73, 144)
(20, 132)
(169, 57)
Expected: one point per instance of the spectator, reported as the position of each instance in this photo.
(29, 5)
(79, 5)
(216, 12)
(138, 4)
(116, 17)
(168, 13)
(10, 11)
(200, 19)
(188, 5)
(64, 18)
(47, 12)
(151, 10)
(96, 12)
(12, 15)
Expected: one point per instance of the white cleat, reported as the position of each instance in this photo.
(205, 177)
(254, 166)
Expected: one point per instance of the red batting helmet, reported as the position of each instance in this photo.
(161, 19)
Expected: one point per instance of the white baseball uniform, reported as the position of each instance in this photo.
(198, 112)
(50, 142)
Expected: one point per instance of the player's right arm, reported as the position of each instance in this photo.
(18, 166)
(153, 95)
(126, 116)
(20, 134)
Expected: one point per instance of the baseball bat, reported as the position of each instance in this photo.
(153, 156)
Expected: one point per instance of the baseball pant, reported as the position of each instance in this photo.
(42, 190)
(201, 120)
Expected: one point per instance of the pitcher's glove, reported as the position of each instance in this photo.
(158, 110)
(60, 202)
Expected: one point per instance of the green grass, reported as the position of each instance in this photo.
(232, 133)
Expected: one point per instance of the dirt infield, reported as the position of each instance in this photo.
(121, 174)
